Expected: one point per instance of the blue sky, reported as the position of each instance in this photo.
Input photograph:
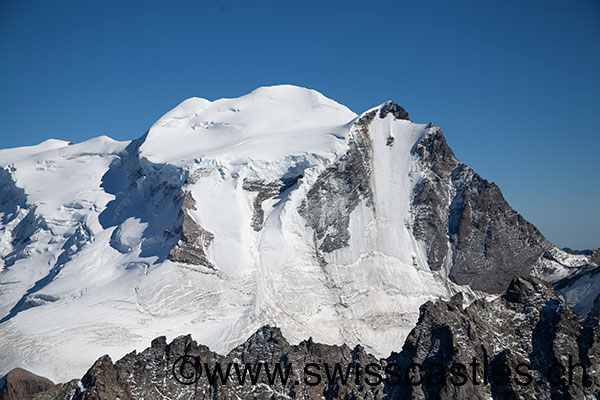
(514, 85)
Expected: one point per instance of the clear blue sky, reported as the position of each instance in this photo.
(514, 85)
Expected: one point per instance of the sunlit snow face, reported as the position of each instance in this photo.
(96, 221)
(266, 124)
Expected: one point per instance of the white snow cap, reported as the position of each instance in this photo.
(102, 217)
(267, 123)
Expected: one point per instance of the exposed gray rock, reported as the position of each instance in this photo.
(170, 230)
(266, 190)
(529, 324)
(151, 373)
(193, 239)
(491, 241)
(432, 197)
(339, 189)
(467, 224)
(392, 108)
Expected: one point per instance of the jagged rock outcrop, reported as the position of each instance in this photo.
(508, 348)
(266, 190)
(339, 189)
(467, 224)
(193, 239)
(156, 372)
(528, 325)
(431, 214)
(20, 384)
(392, 108)
(468, 229)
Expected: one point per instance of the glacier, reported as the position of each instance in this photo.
(280, 207)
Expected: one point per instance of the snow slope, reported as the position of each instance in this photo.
(88, 233)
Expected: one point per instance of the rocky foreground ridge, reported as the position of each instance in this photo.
(522, 345)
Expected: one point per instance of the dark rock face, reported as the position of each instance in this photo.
(392, 108)
(529, 324)
(266, 190)
(20, 384)
(479, 237)
(150, 374)
(491, 240)
(338, 190)
(468, 228)
(430, 201)
(193, 239)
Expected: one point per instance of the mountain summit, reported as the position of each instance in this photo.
(280, 207)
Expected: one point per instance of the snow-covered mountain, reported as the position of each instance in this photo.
(280, 207)
(528, 327)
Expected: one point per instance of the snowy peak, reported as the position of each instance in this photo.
(291, 95)
(270, 122)
(8, 156)
(227, 213)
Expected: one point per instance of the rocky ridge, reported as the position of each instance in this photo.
(529, 325)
